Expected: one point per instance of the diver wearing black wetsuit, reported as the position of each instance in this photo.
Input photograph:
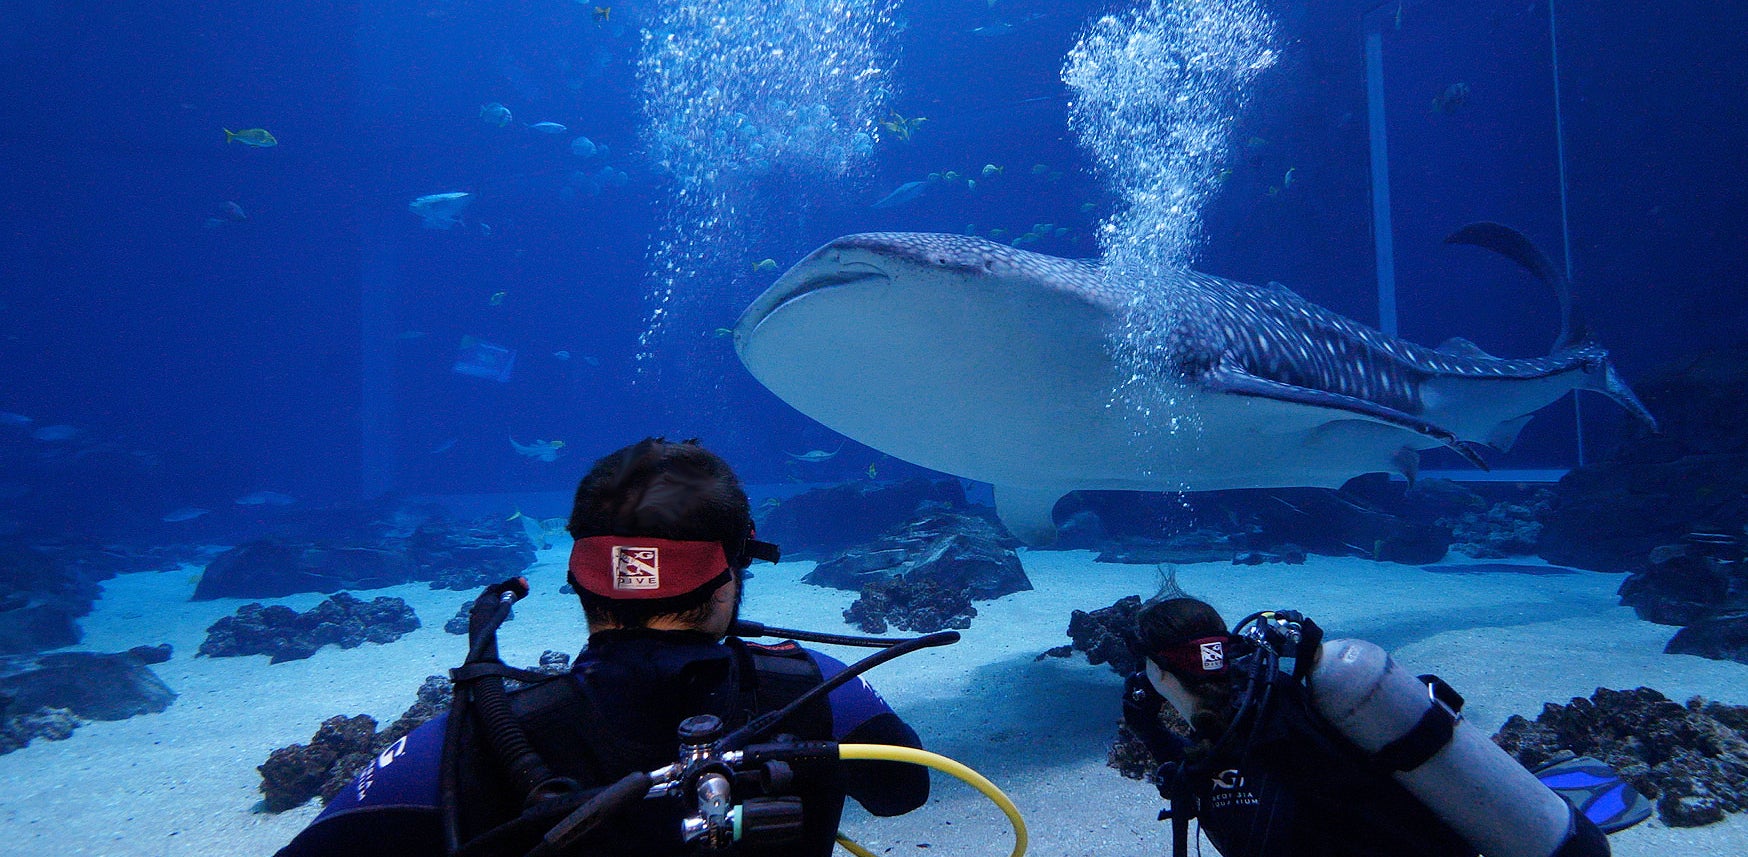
(663, 532)
(1296, 790)
(1263, 773)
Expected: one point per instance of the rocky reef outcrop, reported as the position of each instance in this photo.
(48, 696)
(41, 600)
(822, 522)
(1370, 517)
(371, 552)
(1701, 584)
(1657, 488)
(921, 606)
(287, 635)
(922, 576)
(1691, 759)
(1107, 634)
(343, 745)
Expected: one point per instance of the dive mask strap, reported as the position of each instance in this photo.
(754, 549)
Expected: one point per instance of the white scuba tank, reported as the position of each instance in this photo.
(1497, 805)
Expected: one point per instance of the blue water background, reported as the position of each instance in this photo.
(210, 362)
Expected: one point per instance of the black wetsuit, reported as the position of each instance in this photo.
(1297, 798)
(1292, 787)
(643, 683)
(1298, 788)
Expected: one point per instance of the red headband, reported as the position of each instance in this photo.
(1201, 656)
(634, 567)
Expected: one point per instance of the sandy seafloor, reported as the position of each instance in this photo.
(184, 781)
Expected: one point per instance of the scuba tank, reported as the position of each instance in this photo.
(1412, 727)
(1405, 727)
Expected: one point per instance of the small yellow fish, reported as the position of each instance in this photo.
(603, 14)
(724, 332)
(990, 170)
(1287, 180)
(257, 137)
(871, 470)
(1088, 207)
(997, 232)
(1223, 177)
(497, 298)
(903, 127)
(765, 265)
(950, 176)
(1040, 169)
(971, 184)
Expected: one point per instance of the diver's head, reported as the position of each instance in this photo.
(662, 532)
(1184, 644)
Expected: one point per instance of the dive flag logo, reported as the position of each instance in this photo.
(1213, 656)
(636, 568)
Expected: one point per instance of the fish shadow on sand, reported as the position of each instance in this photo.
(1501, 568)
(1397, 629)
(1019, 715)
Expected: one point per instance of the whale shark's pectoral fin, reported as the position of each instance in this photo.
(1504, 436)
(1228, 378)
(1026, 512)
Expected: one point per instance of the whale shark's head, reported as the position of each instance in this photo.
(922, 260)
(939, 349)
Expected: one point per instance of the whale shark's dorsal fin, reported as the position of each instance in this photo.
(1514, 245)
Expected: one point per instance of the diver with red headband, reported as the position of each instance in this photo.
(1298, 747)
(663, 533)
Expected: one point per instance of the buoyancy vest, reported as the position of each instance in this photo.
(612, 716)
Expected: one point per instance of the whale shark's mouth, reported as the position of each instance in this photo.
(850, 274)
(819, 273)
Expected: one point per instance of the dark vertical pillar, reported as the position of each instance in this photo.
(379, 272)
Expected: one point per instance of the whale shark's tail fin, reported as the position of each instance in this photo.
(1513, 245)
(1600, 374)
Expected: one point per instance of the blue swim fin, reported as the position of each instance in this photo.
(1597, 791)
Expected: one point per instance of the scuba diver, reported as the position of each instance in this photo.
(1301, 748)
(663, 535)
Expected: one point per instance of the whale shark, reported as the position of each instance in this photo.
(1007, 366)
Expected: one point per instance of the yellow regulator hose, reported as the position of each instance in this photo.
(889, 753)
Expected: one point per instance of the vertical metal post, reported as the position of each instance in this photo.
(379, 277)
(1565, 218)
(1382, 239)
(379, 271)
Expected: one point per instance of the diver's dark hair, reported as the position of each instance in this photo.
(662, 490)
(1165, 622)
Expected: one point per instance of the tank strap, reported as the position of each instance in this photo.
(1430, 734)
(779, 674)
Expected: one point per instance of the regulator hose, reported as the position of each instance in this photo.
(890, 753)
